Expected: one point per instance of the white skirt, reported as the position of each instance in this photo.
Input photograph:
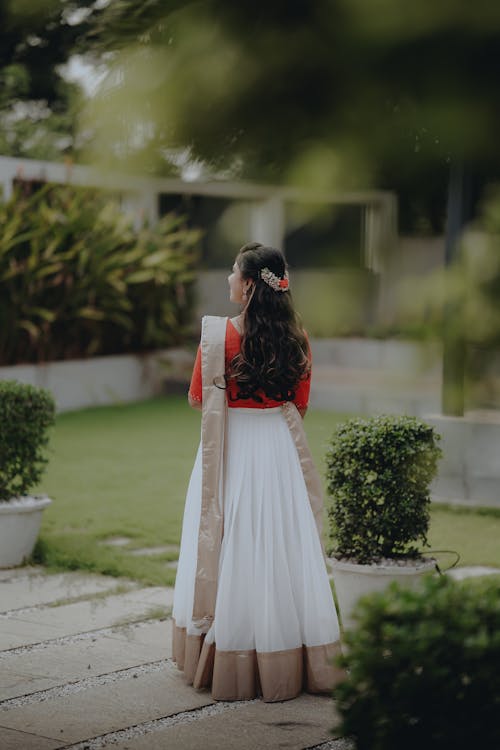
(275, 630)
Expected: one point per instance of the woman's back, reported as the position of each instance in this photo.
(260, 399)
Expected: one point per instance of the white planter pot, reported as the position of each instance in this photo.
(20, 521)
(353, 581)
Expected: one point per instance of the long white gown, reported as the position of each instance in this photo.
(275, 630)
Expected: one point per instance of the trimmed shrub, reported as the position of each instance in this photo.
(423, 668)
(26, 413)
(379, 472)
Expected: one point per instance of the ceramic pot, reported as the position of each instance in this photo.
(20, 520)
(353, 581)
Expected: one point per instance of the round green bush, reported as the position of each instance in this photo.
(423, 668)
(379, 472)
(26, 413)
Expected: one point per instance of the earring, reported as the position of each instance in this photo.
(244, 295)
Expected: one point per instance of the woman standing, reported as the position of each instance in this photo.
(253, 609)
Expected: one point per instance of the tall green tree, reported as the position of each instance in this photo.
(39, 108)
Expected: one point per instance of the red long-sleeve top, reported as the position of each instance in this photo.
(232, 347)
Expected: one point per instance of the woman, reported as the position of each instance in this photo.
(253, 609)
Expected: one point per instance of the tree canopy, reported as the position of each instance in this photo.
(38, 107)
(323, 90)
(316, 91)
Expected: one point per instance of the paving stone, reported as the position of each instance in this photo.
(46, 623)
(472, 572)
(11, 739)
(106, 708)
(59, 663)
(295, 724)
(117, 541)
(14, 684)
(20, 572)
(151, 551)
(154, 637)
(31, 590)
(14, 633)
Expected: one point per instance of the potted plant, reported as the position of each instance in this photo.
(379, 472)
(26, 413)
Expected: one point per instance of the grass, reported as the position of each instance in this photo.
(123, 471)
(118, 471)
(473, 534)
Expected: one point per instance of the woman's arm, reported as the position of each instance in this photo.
(194, 403)
(195, 389)
(301, 399)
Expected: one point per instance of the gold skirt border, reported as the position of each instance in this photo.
(243, 675)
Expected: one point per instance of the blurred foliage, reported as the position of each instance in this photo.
(334, 302)
(471, 285)
(378, 473)
(38, 108)
(423, 668)
(76, 278)
(332, 94)
(327, 93)
(460, 301)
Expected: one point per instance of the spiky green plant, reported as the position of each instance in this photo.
(76, 278)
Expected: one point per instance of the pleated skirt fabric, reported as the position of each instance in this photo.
(275, 630)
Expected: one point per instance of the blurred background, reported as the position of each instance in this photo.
(142, 144)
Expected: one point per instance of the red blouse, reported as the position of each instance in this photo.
(233, 343)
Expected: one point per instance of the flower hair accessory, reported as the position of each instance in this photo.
(279, 285)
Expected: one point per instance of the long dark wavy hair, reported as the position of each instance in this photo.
(274, 349)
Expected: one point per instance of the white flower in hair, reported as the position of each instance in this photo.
(279, 285)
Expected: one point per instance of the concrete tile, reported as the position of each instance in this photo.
(14, 684)
(32, 590)
(45, 623)
(151, 551)
(154, 639)
(297, 724)
(57, 664)
(157, 595)
(117, 541)
(14, 633)
(11, 739)
(21, 572)
(106, 708)
(472, 571)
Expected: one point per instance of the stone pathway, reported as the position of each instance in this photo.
(85, 664)
(473, 571)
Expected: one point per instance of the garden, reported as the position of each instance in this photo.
(122, 472)
(77, 279)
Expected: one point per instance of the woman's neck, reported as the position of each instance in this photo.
(238, 322)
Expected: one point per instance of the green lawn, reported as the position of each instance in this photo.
(122, 471)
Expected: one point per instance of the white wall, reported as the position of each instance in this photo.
(76, 384)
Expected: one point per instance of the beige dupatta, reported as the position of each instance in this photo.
(213, 337)
(311, 476)
(212, 436)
